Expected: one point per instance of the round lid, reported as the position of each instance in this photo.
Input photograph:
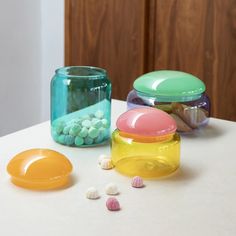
(39, 165)
(146, 122)
(170, 85)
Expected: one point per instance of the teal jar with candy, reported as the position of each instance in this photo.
(80, 106)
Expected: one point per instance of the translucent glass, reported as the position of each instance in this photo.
(80, 106)
(39, 169)
(189, 115)
(144, 156)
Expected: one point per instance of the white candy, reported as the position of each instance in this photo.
(101, 157)
(111, 189)
(92, 193)
(106, 164)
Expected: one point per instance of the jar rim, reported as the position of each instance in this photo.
(92, 71)
(162, 98)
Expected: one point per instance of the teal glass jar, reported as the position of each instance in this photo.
(80, 106)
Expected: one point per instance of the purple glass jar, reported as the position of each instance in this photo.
(180, 94)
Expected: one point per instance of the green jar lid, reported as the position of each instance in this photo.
(170, 86)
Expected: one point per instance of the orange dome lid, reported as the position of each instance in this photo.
(39, 169)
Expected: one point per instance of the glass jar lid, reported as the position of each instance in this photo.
(170, 86)
(146, 121)
(39, 169)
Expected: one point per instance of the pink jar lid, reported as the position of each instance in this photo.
(146, 122)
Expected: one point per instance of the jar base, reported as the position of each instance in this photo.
(146, 167)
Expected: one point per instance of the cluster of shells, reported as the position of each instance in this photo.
(187, 117)
(112, 203)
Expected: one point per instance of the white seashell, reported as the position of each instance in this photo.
(111, 189)
(101, 157)
(106, 164)
(92, 193)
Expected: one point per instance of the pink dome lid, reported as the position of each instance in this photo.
(146, 122)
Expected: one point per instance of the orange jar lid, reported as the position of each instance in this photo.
(39, 169)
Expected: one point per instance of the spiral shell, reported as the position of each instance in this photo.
(137, 182)
(112, 204)
(92, 193)
(106, 164)
(111, 189)
(102, 157)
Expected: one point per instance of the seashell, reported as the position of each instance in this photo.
(112, 204)
(92, 193)
(106, 164)
(181, 125)
(192, 116)
(111, 189)
(137, 182)
(101, 157)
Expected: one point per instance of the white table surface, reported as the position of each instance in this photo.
(199, 199)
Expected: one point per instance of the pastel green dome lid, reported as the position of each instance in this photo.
(170, 86)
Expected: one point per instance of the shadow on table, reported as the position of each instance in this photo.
(182, 174)
(210, 131)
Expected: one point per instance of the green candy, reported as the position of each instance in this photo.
(59, 127)
(61, 139)
(71, 122)
(66, 130)
(86, 123)
(105, 123)
(69, 140)
(102, 131)
(93, 133)
(88, 141)
(99, 114)
(99, 139)
(83, 132)
(96, 123)
(74, 130)
(79, 141)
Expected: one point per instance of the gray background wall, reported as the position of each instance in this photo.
(31, 48)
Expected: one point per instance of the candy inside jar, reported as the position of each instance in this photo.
(80, 106)
(81, 129)
(180, 94)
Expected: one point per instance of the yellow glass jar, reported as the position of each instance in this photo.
(143, 147)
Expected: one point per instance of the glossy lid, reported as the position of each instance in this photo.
(169, 85)
(37, 166)
(146, 122)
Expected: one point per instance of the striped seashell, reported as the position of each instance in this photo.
(102, 157)
(112, 204)
(92, 193)
(111, 189)
(106, 164)
(137, 182)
